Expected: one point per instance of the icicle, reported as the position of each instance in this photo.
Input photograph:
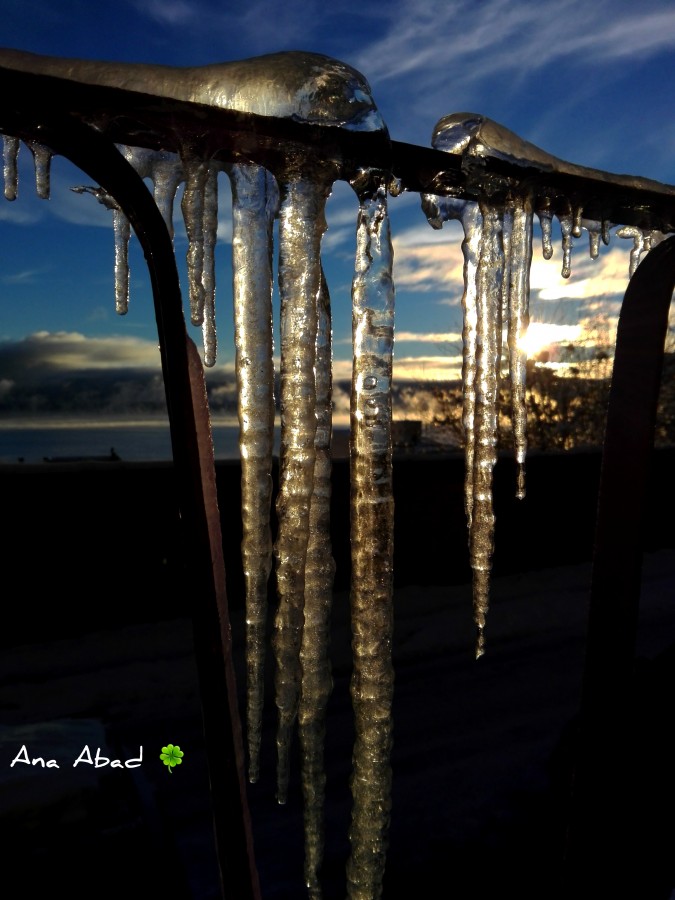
(166, 173)
(594, 229)
(606, 226)
(372, 548)
(518, 319)
(489, 279)
(545, 220)
(566, 228)
(210, 231)
(639, 245)
(10, 153)
(317, 682)
(122, 231)
(301, 226)
(576, 226)
(42, 159)
(192, 206)
(254, 205)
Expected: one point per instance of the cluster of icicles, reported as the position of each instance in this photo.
(497, 253)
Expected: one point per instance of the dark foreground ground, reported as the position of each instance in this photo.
(98, 653)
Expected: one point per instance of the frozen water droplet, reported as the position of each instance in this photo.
(370, 382)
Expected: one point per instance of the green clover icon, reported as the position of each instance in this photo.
(171, 756)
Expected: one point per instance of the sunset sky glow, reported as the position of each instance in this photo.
(587, 82)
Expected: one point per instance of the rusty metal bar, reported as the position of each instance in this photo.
(604, 832)
(145, 120)
(196, 487)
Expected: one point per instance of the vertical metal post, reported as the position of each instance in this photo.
(603, 835)
(194, 467)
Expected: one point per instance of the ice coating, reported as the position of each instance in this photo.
(254, 205)
(474, 135)
(304, 86)
(641, 243)
(372, 548)
(301, 227)
(317, 681)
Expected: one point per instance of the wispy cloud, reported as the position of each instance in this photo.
(500, 36)
(449, 337)
(25, 276)
(427, 368)
(168, 12)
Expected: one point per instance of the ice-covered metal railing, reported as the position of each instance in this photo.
(310, 121)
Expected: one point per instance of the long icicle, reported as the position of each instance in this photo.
(372, 548)
(481, 536)
(301, 226)
(518, 320)
(317, 681)
(210, 232)
(254, 206)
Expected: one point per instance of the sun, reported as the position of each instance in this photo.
(541, 335)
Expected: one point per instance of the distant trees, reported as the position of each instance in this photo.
(566, 401)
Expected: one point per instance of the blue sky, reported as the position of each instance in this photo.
(590, 82)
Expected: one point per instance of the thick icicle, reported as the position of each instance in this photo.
(372, 548)
(301, 227)
(594, 229)
(192, 206)
(167, 174)
(10, 153)
(566, 228)
(254, 205)
(317, 682)
(545, 221)
(439, 210)
(518, 320)
(210, 231)
(488, 291)
(122, 231)
(42, 159)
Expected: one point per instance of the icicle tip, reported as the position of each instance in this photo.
(520, 486)
(480, 642)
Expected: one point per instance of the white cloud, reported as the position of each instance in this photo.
(449, 337)
(25, 276)
(72, 350)
(427, 368)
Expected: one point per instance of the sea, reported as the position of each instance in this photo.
(146, 441)
(130, 442)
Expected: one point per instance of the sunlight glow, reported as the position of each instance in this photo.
(541, 335)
